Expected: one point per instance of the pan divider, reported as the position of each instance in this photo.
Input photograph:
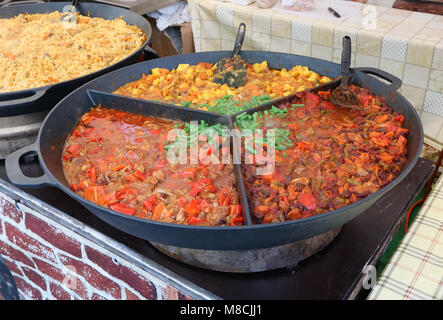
(154, 108)
(325, 86)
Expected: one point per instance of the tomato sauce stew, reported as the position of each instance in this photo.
(326, 156)
(117, 160)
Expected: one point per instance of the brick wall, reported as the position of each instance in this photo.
(50, 261)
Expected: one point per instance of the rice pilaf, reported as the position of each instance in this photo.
(39, 49)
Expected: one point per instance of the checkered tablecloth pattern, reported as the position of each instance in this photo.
(415, 271)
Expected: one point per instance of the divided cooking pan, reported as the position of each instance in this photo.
(44, 98)
(57, 127)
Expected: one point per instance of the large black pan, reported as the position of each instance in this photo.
(57, 126)
(44, 98)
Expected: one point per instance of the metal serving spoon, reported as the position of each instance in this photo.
(232, 71)
(341, 95)
(71, 14)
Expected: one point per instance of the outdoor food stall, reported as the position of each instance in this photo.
(227, 173)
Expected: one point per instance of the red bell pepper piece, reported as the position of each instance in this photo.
(66, 157)
(155, 132)
(73, 148)
(191, 208)
(194, 220)
(122, 208)
(400, 118)
(236, 221)
(150, 202)
(123, 193)
(308, 201)
(108, 199)
(87, 131)
(94, 150)
(148, 205)
(235, 210)
(94, 174)
(402, 131)
(224, 197)
(139, 175)
(95, 139)
(131, 178)
(94, 193)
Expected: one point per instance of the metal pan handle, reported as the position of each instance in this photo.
(15, 173)
(395, 82)
(346, 60)
(31, 99)
(239, 39)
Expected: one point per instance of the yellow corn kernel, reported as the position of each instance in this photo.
(156, 82)
(301, 88)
